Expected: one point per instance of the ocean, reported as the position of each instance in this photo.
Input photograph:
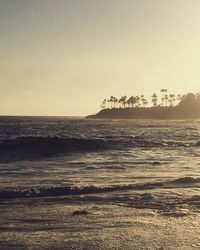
(75, 183)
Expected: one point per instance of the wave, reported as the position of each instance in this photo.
(74, 190)
(186, 180)
(30, 148)
(71, 190)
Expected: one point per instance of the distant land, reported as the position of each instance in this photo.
(170, 108)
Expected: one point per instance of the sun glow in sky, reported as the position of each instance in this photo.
(63, 57)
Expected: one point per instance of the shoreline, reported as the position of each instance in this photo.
(152, 113)
(105, 226)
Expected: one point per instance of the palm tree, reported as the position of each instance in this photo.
(143, 100)
(179, 98)
(172, 99)
(154, 99)
(145, 103)
(163, 99)
(108, 103)
(134, 101)
(115, 100)
(103, 104)
(128, 102)
(137, 101)
(112, 99)
(166, 100)
(122, 101)
(131, 98)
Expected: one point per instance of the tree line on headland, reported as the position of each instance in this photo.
(141, 101)
(136, 107)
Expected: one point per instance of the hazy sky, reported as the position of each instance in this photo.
(63, 57)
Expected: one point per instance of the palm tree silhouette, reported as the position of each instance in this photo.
(115, 100)
(128, 102)
(108, 103)
(103, 104)
(143, 100)
(172, 99)
(132, 101)
(166, 100)
(112, 99)
(122, 101)
(145, 103)
(137, 101)
(163, 98)
(154, 99)
(179, 98)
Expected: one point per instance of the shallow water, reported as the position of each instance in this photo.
(137, 180)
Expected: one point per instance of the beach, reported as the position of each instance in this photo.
(99, 184)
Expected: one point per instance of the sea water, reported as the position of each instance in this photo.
(75, 183)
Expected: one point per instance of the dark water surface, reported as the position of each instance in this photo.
(124, 173)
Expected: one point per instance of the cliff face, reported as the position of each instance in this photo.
(178, 112)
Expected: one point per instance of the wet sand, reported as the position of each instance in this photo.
(50, 224)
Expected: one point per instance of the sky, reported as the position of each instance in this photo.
(63, 57)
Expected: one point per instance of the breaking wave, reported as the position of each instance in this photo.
(30, 148)
(74, 190)
(71, 190)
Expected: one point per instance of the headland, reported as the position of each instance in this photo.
(188, 107)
